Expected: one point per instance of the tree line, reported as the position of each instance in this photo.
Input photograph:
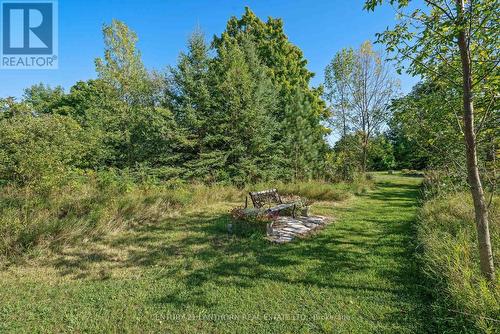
(239, 110)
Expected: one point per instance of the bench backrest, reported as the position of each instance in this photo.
(265, 198)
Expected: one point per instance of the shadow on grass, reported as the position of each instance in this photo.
(374, 243)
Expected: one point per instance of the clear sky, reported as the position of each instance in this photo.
(319, 27)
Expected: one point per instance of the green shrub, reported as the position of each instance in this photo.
(361, 184)
(439, 182)
(463, 301)
(380, 154)
(40, 149)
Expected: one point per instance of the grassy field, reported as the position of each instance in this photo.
(184, 274)
(463, 300)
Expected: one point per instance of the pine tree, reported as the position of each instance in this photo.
(240, 135)
(286, 67)
(285, 61)
(189, 96)
(304, 146)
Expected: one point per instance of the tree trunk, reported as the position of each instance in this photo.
(476, 188)
(364, 153)
(344, 137)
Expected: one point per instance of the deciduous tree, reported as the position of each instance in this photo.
(455, 42)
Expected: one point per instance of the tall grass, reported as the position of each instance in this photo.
(320, 190)
(464, 301)
(60, 210)
(50, 214)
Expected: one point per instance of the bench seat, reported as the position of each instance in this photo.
(281, 207)
(271, 201)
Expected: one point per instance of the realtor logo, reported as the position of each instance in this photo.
(29, 34)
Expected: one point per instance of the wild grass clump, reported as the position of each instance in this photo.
(82, 205)
(78, 204)
(203, 195)
(464, 301)
(362, 183)
(320, 190)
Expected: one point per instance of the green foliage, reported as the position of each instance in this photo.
(122, 66)
(424, 42)
(298, 106)
(425, 131)
(425, 120)
(242, 128)
(303, 146)
(86, 98)
(338, 89)
(37, 149)
(380, 154)
(462, 300)
(189, 97)
(188, 86)
(138, 131)
(345, 161)
(10, 108)
(440, 182)
(359, 88)
(130, 135)
(43, 99)
(285, 61)
(406, 148)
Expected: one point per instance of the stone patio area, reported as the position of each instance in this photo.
(285, 229)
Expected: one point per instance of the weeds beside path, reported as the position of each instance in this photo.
(186, 275)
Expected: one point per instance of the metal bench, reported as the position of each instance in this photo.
(271, 200)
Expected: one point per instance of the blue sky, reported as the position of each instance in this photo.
(320, 28)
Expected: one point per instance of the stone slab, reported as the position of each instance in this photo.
(286, 229)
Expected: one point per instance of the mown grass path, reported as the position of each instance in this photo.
(186, 275)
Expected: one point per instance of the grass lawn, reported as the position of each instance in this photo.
(184, 274)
